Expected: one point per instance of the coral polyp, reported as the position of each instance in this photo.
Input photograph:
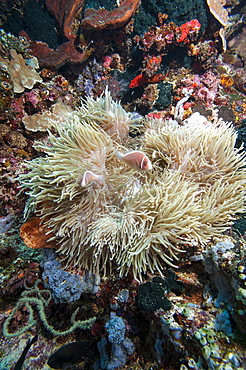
(105, 214)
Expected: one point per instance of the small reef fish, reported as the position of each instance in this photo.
(21, 360)
(135, 159)
(89, 177)
(141, 80)
(71, 354)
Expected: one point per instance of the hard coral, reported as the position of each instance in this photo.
(204, 87)
(94, 78)
(189, 30)
(9, 42)
(22, 75)
(6, 91)
(159, 39)
(237, 44)
(205, 53)
(131, 220)
(105, 19)
(216, 7)
(38, 122)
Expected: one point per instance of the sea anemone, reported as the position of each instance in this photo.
(118, 217)
(109, 115)
(201, 152)
(205, 154)
(55, 181)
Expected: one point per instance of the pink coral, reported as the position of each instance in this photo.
(205, 87)
(168, 33)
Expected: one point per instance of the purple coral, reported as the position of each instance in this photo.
(89, 79)
(93, 80)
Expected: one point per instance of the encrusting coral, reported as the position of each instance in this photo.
(38, 121)
(134, 220)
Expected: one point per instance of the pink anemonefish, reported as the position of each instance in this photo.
(135, 159)
(89, 177)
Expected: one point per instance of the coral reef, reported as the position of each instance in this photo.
(6, 90)
(107, 19)
(122, 346)
(94, 79)
(6, 223)
(65, 14)
(68, 17)
(10, 42)
(160, 38)
(14, 149)
(123, 171)
(218, 11)
(90, 77)
(66, 52)
(205, 87)
(38, 122)
(221, 14)
(177, 12)
(236, 44)
(151, 295)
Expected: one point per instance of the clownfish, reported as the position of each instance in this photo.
(135, 159)
(89, 177)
